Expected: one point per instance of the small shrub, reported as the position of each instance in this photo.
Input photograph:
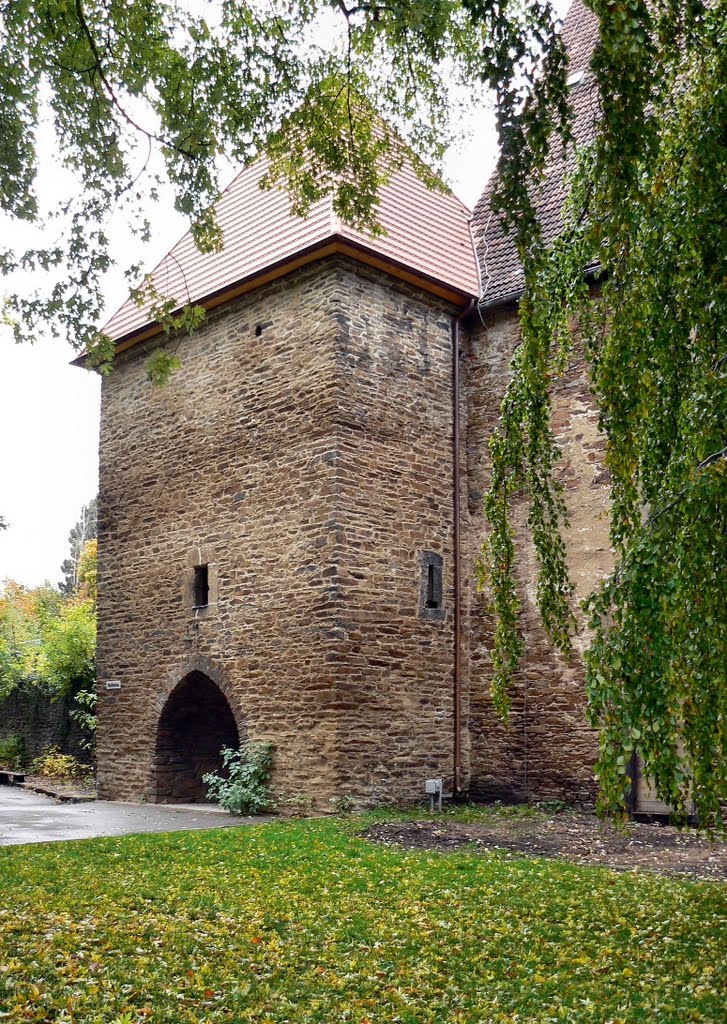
(52, 764)
(12, 752)
(84, 713)
(553, 806)
(342, 805)
(294, 805)
(245, 786)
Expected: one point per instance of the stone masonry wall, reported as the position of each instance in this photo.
(301, 453)
(40, 722)
(547, 751)
(304, 453)
(394, 658)
(232, 465)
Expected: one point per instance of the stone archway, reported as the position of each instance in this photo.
(196, 721)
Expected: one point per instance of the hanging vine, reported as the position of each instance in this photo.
(649, 204)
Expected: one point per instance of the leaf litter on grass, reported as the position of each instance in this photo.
(306, 922)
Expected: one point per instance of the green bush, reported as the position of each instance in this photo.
(12, 752)
(245, 786)
(52, 764)
(84, 713)
(342, 805)
(554, 806)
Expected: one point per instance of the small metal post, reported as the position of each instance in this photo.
(434, 788)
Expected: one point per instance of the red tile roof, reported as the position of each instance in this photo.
(502, 276)
(427, 241)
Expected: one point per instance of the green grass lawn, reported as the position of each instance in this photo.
(305, 921)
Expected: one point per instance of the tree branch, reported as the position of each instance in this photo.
(714, 457)
(98, 68)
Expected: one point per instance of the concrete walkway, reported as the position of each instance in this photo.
(27, 817)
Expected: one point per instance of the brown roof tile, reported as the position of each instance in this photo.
(502, 276)
(427, 237)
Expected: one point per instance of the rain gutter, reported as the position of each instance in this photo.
(592, 273)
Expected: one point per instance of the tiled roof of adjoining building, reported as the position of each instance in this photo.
(502, 277)
(427, 242)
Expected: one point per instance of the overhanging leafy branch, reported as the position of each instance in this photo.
(657, 662)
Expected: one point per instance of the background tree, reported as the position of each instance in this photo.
(67, 660)
(48, 645)
(127, 80)
(84, 531)
(88, 572)
(80, 641)
(24, 616)
(48, 636)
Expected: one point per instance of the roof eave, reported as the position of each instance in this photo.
(592, 273)
(335, 244)
(501, 300)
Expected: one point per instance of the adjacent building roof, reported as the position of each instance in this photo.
(502, 277)
(427, 242)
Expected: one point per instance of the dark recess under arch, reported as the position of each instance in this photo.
(195, 723)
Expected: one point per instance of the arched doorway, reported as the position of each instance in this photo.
(195, 723)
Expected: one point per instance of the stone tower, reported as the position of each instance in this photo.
(288, 531)
(276, 524)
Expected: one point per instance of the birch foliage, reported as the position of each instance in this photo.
(648, 207)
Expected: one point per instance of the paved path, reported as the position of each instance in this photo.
(27, 817)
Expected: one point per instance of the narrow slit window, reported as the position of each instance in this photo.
(431, 597)
(201, 592)
(432, 601)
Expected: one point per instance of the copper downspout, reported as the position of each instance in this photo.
(457, 567)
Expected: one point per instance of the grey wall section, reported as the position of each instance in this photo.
(40, 722)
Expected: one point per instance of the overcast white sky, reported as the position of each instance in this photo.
(50, 410)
